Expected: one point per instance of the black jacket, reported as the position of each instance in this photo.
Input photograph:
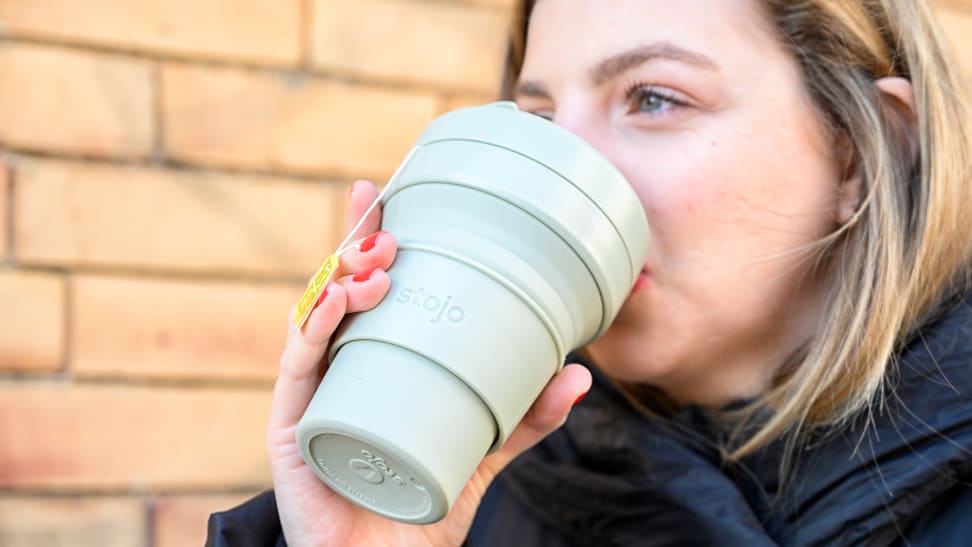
(610, 477)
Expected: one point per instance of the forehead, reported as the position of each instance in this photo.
(583, 32)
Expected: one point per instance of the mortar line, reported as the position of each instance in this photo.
(157, 116)
(324, 74)
(306, 45)
(66, 322)
(150, 512)
(128, 491)
(238, 278)
(169, 164)
(10, 211)
(227, 384)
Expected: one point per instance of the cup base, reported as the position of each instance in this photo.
(393, 432)
(372, 478)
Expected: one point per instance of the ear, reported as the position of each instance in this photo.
(849, 192)
(898, 101)
(898, 107)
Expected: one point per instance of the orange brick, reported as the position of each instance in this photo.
(181, 520)
(250, 30)
(957, 26)
(74, 521)
(87, 214)
(965, 5)
(343, 211)
(443, 43)
(181, 329)
(32, 322)
(4, 219)
(462, 101)
(228, 117)
(504, 4)
(66, 101)
(131, 437)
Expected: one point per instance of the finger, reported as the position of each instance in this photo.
(546, 415)
(375, 251)
(365, 289)
(363, 194)
(298, 375)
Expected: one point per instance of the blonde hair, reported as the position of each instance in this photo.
(908, 248)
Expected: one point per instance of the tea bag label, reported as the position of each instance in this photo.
(314, 289)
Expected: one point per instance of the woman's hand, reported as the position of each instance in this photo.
(310, 512)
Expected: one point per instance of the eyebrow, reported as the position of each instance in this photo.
(615, 65)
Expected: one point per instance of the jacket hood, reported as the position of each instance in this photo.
(611, 476)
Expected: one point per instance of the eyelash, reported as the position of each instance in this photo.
(640, 90)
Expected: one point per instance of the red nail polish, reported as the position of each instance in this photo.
(579, 399)
(369, 242)
(363, 276)
(321, 298)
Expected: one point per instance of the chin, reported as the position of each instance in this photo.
(631, 348)
(632, 316)
(624, 353)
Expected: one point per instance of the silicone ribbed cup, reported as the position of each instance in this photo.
(517, 242)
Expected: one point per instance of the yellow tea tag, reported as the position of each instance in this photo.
(316, 285)
(314, 289)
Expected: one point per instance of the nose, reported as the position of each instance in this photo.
(596, 128)
(576, 121)
(585, 124)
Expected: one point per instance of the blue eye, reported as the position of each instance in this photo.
(650, 100)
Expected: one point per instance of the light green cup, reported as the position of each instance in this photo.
(517, 243)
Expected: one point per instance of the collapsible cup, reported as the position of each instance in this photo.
(517, 242)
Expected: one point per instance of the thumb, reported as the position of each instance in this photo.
(547, 414)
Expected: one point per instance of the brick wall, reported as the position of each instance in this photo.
(171, 171)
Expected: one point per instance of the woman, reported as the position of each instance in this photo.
(793, 366)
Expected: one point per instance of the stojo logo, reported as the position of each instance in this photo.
(374, 469)
(438, 308)
(366, 471)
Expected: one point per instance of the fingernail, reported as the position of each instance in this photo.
(579, 399)
(363, 276)
(321, 297)
(369, 242)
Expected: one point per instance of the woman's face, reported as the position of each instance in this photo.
(706, 115)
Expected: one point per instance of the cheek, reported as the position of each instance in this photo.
(782, 176)
(737, 201)
(686, 197)
(787, 200)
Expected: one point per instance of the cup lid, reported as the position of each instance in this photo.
(503, 124)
